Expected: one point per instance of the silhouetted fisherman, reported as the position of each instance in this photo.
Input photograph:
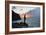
(24, 18)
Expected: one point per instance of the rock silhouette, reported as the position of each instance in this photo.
(20, 25)
(15, 17)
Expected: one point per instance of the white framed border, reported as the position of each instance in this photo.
(25, 29)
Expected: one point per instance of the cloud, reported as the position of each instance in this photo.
(21, 10)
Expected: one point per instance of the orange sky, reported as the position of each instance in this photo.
(27, 15)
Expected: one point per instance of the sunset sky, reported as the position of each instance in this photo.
(23, 10)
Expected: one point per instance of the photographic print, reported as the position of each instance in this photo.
(25, 17)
